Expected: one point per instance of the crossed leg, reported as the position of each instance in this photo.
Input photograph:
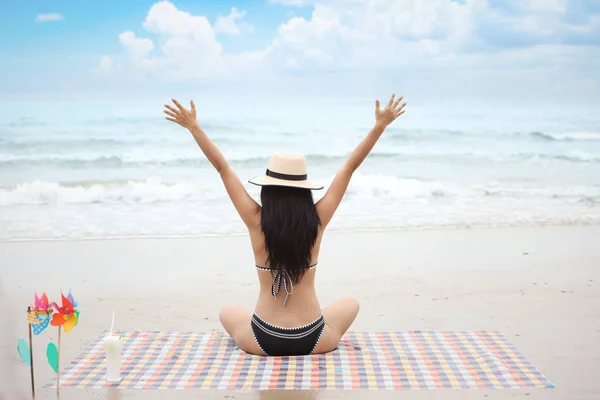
(236, 322)
(338, 318)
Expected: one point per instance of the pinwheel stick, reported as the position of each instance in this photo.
(58, 365)
(31, 357)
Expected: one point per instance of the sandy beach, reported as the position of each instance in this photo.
(538, 286)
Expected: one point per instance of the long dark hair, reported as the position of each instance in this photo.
(290, 224)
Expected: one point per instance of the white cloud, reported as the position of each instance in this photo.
(49, 17)
(164, 18)
(392, 33)
(138, 49)
(375, 33)
(363, 36)
(229, 25)
(106, 63)
(189, 48)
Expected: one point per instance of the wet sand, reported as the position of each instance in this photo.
(540, 286)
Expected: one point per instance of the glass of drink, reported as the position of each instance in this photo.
(112, 351)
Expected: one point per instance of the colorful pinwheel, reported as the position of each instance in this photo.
(38, 316)
(66, 315)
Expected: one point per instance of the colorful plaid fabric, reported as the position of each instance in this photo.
(364, 360)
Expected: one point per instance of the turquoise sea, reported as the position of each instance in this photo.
(100, 169)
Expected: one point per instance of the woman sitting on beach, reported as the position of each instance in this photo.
(286, 235)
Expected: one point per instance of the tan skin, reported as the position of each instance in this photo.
(302, 307)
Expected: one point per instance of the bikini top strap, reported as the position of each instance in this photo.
(269, 269)
(282, 276)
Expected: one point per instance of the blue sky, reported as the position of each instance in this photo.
(510, 49)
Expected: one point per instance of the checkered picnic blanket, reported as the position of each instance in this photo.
(364, 360)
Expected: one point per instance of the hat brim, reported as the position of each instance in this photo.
(270, 181)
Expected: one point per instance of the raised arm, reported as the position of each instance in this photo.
(383, 117)
(247, 208)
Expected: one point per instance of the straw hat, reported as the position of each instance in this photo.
(286, 169)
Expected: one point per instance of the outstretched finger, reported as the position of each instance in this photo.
(182, 108)
(398, 100)
(172, 109)
(377, 105)
(399, 113)
(400, 108)
(192, 105)
(391, 101)
(170, 113)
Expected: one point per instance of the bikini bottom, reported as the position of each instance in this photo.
(276, 341)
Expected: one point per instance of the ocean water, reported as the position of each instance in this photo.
(100, 169)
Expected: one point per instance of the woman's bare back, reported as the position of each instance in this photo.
(302, 305)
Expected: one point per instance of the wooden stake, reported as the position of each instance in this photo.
(31, 356)
(58, 365)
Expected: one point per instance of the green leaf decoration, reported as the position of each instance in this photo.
(77, 314)
(52, 353)
(23, 349)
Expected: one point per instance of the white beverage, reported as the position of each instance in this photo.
(112, 350)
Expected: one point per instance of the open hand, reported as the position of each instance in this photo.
(392, 111)
(182, 116)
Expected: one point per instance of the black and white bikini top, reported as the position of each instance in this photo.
(282, 275)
